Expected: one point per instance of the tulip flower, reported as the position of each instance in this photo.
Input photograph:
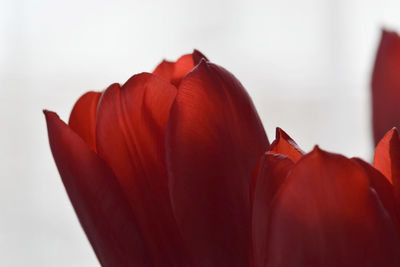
(386, 85)
(158, 169)
(174, 168)
(323, 209)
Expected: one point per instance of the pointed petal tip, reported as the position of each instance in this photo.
(46, 111)
(394, 130)
(49, 114)
(166, 61)
(318, 151)
(392, 133)
(278, 132)
(198, 56)
(317, 148)
(284, 144)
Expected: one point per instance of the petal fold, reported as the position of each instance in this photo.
(97, 198)
(214, 140)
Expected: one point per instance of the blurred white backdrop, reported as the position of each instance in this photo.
(306, 64)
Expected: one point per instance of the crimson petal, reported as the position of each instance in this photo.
(214, 140)
(386, 85)
(327, 215)
(130, 138)
(284, 144)
(83, 117)
(383, 188)
(270, 175)
(102, 209)
(387, 159)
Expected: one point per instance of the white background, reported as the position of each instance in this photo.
(306, 64)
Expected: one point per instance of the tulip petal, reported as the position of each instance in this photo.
(102, 209)
(182, 66)
(386, 85)
(214, 140)
(327, 215)
(387, 159)
(165, 70)
(383, 188)
(83, 117)
(271, 174)
(130, 138)
(198, 56)
(174, 72)
(284, 144)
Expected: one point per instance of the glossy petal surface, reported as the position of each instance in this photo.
(327, 215)
(386, 85)
(270, 175)
(284, 144)
(130, 137)
(102, 209)
(214, 140)
(83, 117)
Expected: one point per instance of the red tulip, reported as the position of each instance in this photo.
(158, 169)
(386, 85)
(323, 209)
(174, 169)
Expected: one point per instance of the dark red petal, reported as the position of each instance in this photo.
(327, 215)
(214, 140)
(198, 56)
(272, 172)
(383, 188)
(284, 144)
(98, 200)
(387, 159)
(83, 117)
(386, 85)
(130, 138)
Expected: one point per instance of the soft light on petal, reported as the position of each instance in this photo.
(98, 200)
(83, 117)
(387, 159)
(214, 140)
(284, 144)
(130, 137)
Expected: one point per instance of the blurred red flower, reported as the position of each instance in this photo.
(174, 168)
(386, 85)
